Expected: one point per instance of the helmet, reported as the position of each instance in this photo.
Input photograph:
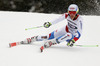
(73, 7)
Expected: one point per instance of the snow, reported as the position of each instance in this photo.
(12, 29)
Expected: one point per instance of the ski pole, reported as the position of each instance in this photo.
(87, 45)
(33, 28)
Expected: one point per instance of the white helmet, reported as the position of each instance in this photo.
(73, 7)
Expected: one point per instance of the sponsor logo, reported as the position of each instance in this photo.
(65, 37)
(72, 8)
(71, 22)
(72, 26)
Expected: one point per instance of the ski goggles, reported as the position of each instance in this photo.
(72, 12)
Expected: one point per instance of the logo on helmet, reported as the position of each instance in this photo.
(72, 8)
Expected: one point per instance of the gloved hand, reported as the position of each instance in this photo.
(47, 24)
(71, 43)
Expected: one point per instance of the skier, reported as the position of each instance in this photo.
(70, 33)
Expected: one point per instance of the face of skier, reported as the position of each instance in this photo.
(72, 14)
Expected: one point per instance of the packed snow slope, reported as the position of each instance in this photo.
(12, 29)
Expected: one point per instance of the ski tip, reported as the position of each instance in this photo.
(9, 45)
(41, 49)
(13, 44)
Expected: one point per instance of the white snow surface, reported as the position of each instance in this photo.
(12, 29)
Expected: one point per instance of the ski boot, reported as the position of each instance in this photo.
(48, 44)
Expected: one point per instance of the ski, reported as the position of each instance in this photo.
(14, 44)
(42, 48)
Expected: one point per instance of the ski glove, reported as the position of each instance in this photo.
(71, 43)
(47, 24)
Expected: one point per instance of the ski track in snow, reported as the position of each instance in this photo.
(12, 29)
